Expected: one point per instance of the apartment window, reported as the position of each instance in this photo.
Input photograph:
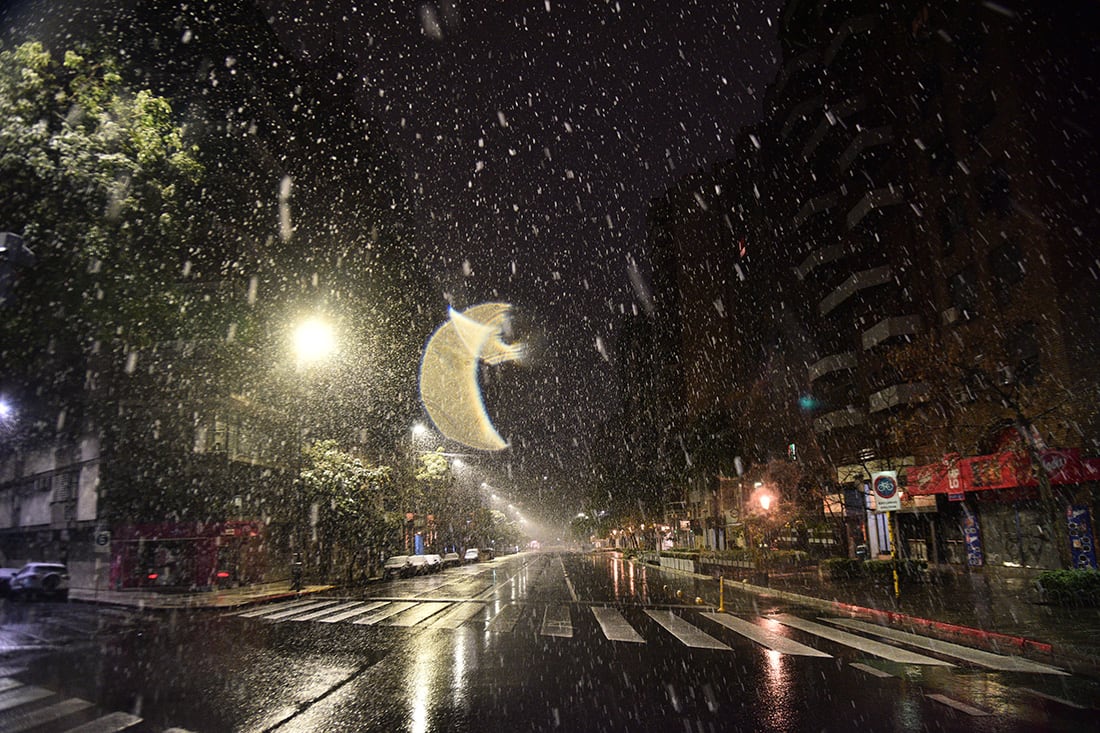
(43, 483)
(66, 486)
(1007, 271)
(964, 291)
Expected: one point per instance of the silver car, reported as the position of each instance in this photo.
(41, 580)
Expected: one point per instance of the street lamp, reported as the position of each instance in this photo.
(314, 342)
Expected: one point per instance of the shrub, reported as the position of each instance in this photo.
(880, 571)
(842, 568)
(1071, 587)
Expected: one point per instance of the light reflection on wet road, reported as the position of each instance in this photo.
(535, 642)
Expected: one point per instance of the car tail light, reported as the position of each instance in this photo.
(152, 576)
(223, 574)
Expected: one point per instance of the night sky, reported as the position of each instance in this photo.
(533, 135)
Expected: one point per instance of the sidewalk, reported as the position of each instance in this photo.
(216, 599)
(994, 610)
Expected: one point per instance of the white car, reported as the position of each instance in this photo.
(41, 580)
(398, 565)
(472, 555)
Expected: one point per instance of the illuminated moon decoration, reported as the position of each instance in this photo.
(448, 373)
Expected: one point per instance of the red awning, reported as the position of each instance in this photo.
(954, 474)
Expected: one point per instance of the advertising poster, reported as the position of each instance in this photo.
(973, 538)
(1082, 542)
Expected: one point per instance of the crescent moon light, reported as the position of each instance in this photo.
(449, 387)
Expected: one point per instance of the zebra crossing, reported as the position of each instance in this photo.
(560, 620)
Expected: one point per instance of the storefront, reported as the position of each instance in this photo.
(990, 512)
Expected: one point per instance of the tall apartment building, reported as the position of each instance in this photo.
(924, 170)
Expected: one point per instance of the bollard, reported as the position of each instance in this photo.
(721, 595)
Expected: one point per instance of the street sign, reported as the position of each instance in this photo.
(103, 541)
(887, 496)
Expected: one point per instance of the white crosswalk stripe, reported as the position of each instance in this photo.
(459, 614)
(685, 632)
(418, 613)
(989, 660)
(762, 636)
(615, 627)
(384, 612)
(557, 622)
(868, 646)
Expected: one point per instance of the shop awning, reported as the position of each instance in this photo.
(1011, 469)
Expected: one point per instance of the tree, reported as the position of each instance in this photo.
(97, 179)
(347, 516)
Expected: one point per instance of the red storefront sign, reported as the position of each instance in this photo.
(1008, 470)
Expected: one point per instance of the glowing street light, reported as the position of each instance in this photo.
(314, 341)
(765, 501)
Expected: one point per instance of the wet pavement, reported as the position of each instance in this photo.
(547, 641)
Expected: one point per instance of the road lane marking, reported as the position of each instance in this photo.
(685, 632)
(770, 639)
(870, 670)
(557, 622)
(252, 613)
(615, 627)
(868, 646)
(458, 615)
(384, 613)
(961, 706)
(326, 611)
(568, 582)
(1053, 698)
(38, 719)
(989, 660)
(7, 683)
(418, 613)
(504, 621)
(22, 696)
(295, 611)
(111, 723)
(353, 612)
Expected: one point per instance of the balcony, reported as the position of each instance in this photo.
(800, 111)
(858, 281)
(817, 258)
(878, 198)
(850, 416)
(831, 363)
(898, 394)
(865, 139)
(889, 328)
(815, 206)
(853, 26)
(792, 67)
(833, 114)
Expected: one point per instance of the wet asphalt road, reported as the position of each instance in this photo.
(539, 641)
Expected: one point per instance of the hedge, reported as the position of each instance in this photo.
(845, 568)
(1070, 587)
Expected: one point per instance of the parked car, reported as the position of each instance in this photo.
(451, 558)
(472, 555)
(434, 563)
(423, 564)
(41, 580)
(6, 574)
(397, 565)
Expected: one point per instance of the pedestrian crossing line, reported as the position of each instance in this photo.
(557, 622)
(22, 696)
(869, 646)
(361, 608)
(873, 671)
(960, 706)
(505, 621)
(314, 615)
(7, 683)
(989, 660)
(42, 717)
(112, 723)
(769, 639)
(614, 626)
(685, 632)
(253, 613)
(418, 613)
(384, 613)
(1054, 698)
(457, 615)
(280, 615)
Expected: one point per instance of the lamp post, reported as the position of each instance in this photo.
(314, 342)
